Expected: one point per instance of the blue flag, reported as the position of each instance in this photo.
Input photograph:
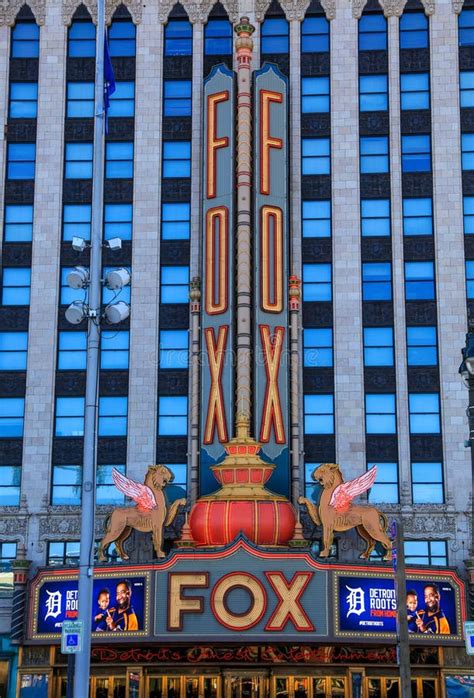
(109, 80)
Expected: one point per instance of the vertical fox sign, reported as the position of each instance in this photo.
(217, 383)
(271, 271)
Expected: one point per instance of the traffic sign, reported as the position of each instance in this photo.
(71, 636)
(469, 636)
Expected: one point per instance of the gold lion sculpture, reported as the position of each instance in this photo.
(336, 512)
(150, 515)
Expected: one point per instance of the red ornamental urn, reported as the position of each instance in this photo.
(243, 504)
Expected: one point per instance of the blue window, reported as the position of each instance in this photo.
(314, 95)
(174, 284)
(419, 281)
(319, 414)
(466, 82)
(119, 160)
(376, 281)
(218, 38)
(316, 156)
(176, 159)
(416, 154)
(312, 489)
(68, 294)
(373, 154)
(274, 35)
(385, 488)
(373, 93)
(63, 553)
(372, 32)
(21, 161)
(67, 485)
(424, 413)
(78, 161)
(378, 346)
(177, 98)
(18, 223)
(414, 91)
(122, 38)
(77, 221)
(81, 42)
(173, 415)
(317, 282)
(124, 294)
(16, 286)
(25, 40)
(174, 351)
(122, 101)
(177, 488)
(114, 347)
(317, 347)
(80, 100)
(118, 221)
(316, 219)
(427, 483)
(178, 38)
(12, 411)
(380, 413)
(468, 204)
(315, 35)
(175, 221)
(72, 351)
(106, 492)
(23, 100)
(413, 30)
(113, 416)
(10, 483)
(470, 278)
(13, 348)
(426, 552)
(467, 145)
(7, 552)
(69, 416)
(466, 28)
(375, 217)
(422, 346)
(417, 217)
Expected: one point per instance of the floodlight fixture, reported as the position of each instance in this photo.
(114, 244)
(78, 278)
(78, 244)
(117, 279)
(116, 312)
(76, 312)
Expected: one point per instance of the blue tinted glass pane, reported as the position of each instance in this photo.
(428, 493)
(424, 402)
(378, 357)
(427, 472)
(320, 424)
(175, 275)
(69, 406)
(380, 404)
(378, 336)
(419, 270)
(373, 145)
(388, 494)
(380, 424)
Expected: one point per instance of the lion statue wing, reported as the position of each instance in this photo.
(345, 492)
(141, 494)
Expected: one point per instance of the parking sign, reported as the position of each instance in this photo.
(469, 636)
(71, 636)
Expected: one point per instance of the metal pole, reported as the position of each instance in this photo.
(470, 416)
(86, 559)
(402, 620)
(71, 662)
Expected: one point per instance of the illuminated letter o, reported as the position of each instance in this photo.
(237, 621)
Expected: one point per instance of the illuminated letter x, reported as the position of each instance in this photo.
(215, 410)
(272, 348)
(289, 606)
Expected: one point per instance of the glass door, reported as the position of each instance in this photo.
(246, 686)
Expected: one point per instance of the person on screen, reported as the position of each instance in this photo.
(124, 617)
(412, 615)
(432, 618)
(103, 601)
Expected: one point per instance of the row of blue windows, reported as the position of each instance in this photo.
(121, 39)
(375, 217)
(380, 413)
(378, 346)
(414, 92)
(80, 100)
(217, 38)
(466, 27)
(373, 31)
(117, 221)
(376, 281)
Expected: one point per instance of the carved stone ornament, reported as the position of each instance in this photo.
(133, 6)
(429, 521)
(358, 8)
(294, 9)
(13, 526)
(10, 8)
(393, 8)
(329, 7)
(457, 6)
(430, 6)
(261, 7)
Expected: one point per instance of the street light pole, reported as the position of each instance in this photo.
(467, 373)
(402, 620)
(86, 559)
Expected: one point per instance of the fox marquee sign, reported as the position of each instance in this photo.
(245, 594)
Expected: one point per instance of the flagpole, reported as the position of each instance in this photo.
(86, 558)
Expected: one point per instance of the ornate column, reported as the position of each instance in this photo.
(295, 299)
(20, 568)
(194, 354)
(244, 46)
